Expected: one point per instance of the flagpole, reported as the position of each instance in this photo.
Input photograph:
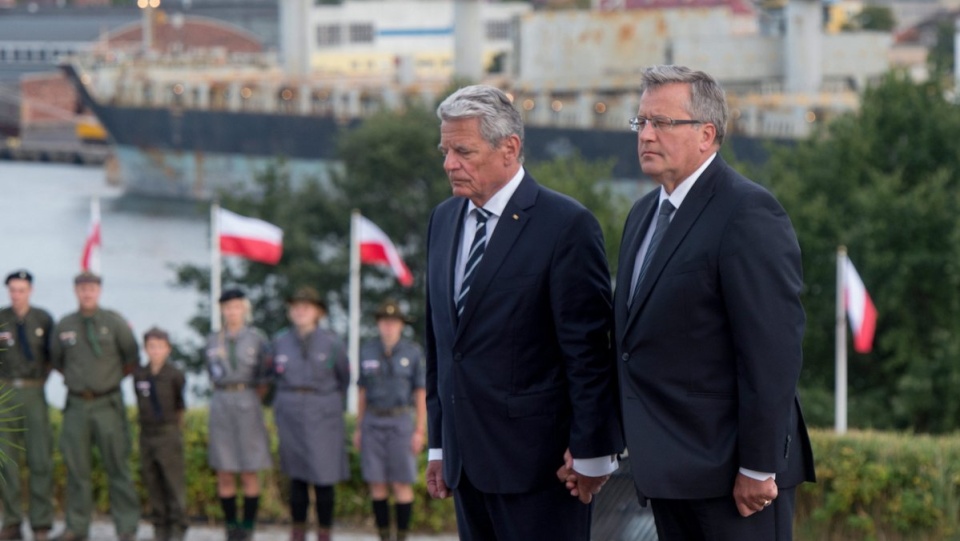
(215, 266)
(96, 256)
(354, 332)
(840, 411)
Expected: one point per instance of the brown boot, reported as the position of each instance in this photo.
(401, 535)
(384, 534)
(11, 533)
(323, 534)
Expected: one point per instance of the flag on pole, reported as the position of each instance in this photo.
(249, 238)
(860, 309)
(376, 248)
(90, 259)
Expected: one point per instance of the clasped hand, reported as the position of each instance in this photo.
(579, 485)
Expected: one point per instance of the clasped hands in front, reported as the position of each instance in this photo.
(579, 485)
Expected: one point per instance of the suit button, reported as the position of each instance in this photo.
(453, 400)
(625, 357)
(457, 357)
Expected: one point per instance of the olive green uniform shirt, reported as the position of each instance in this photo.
(28, 359)
(92, 357)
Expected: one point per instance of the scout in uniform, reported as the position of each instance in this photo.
(24, 365)
(95, 349)
(159, 389)
(391, 418)
(239, 363)
(312, 375)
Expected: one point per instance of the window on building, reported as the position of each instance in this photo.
(361, 33)
(328, 35)
(498, 30)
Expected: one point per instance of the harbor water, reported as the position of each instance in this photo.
(44, 218)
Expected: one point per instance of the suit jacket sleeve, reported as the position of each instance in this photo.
(434, 415)
(582, 315)
(761, 278)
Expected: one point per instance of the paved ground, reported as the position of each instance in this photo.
(103, 531)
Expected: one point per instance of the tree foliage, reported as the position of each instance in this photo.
(884, 182)
(392, 173)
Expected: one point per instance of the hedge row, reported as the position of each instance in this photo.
(871, 486)
(352, 502)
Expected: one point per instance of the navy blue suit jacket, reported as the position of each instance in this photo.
(710, 352)
(528, 370)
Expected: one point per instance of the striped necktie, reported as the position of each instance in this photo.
(473, 259)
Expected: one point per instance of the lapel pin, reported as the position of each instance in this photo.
(515, 217)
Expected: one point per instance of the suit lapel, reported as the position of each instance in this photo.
(453, 247)
(509, 226)
(632, 238)
(687, 215)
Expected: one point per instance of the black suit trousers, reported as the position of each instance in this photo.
(717, 519)
(551, 514)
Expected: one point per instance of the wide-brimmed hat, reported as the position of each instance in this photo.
(308, 294)
(391, 308)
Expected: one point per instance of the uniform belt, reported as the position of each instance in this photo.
(233, 386)
(90, 395)
(390, 412)
(23, 383)
(294, 389)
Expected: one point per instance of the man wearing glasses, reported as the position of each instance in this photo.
(708, 328)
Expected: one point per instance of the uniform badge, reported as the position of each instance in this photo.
(143, 387)
(69, 338)
(282, 359)
(281, 365)
(104, 331)
(404, 362)
(370, 364)
(39, 332)
(321, 357)
(216, 371)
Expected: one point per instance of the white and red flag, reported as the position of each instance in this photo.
(861, 312)
(376, 248)
(90, 259)
(250, 238)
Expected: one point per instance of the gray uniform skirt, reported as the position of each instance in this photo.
(237, 437)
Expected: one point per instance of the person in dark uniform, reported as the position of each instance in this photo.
(312, 375)
(95, 349)
(391, 418)
(159, 388)
(25, 332)
(239, 363)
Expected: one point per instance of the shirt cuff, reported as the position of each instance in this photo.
(596, 467)
(758, 475)
(435, 454)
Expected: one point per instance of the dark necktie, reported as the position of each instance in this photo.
(473, 258)
(232, 353)
(154, 399)
(92, 335)
(22, 338)
(663, 221)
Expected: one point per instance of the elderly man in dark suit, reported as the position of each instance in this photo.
(709, 328)
(519, 367)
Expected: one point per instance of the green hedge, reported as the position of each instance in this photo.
(871, 486)
(352, 504)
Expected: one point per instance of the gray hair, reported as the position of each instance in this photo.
(498, 117)
(707, 99)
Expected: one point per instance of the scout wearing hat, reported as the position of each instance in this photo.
(95, 349)
(312, 378)
(25, 333)
(391, 417)
(159, 389)
(239, 363)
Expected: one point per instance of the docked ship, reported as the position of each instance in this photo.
(188, 121)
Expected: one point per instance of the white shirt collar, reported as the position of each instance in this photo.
(682, 189)
(499, 200)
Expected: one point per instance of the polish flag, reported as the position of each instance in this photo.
(376, 248)
(249, 238)
(90, 259)
(860, 309)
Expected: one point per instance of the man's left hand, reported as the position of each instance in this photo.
(751, 495)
